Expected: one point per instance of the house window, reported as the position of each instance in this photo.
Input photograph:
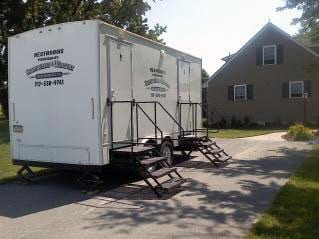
(240, 92)
(269, 55)
(296, 89)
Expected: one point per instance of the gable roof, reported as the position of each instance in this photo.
(267, 26)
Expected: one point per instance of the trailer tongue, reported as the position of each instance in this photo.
(84, 95)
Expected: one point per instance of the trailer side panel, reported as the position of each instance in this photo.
(54, 95)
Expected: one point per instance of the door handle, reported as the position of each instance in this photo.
(92, 107)
(13, 112)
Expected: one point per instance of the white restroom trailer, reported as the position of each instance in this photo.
(79, 90)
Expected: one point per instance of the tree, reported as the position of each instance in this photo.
(309, 22)
(17, 16)
(205, 76)
(309, 19)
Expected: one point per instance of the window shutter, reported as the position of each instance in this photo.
(231, 92)
(280, 54)
(307, 86)
(259, 56)
(285, 90)
(250, 92)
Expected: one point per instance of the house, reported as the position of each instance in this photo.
(204, 93)
(272, 78)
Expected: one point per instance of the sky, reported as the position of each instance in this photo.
(211, 29)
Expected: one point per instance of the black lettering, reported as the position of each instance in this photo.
(49, 53)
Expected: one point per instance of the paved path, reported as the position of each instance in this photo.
(270, 137)
(216, 203)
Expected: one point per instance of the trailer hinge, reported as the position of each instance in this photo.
(108, 101)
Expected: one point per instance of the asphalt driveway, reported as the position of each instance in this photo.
(215, 203)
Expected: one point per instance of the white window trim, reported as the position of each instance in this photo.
(235, 92)
(268, 46)
(303, 89)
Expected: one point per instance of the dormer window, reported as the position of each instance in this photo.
(269, 55)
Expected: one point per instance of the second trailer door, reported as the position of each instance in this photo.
(120, 74)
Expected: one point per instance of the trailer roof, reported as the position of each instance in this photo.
(111, 26)
(152, 41)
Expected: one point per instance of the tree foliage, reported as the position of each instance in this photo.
(205, 76)
(309, 19)
(17, 16)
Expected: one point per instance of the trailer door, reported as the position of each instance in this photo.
(184, 93)
(120, 76)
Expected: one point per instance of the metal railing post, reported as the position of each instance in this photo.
(180, 117)
(196, 119)
(137, 134)
(111, 116)
(132, 129)
(155, 120)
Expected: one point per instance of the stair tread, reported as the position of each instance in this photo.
(173, 183)
(162, 172)
(224, 158)
(190, 136)
(136, 149)
(206, 144)
(151, 161)
(215, 151)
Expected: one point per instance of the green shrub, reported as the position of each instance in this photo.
(235, 123)
(246, 121)
(1, 113)
(300, 133)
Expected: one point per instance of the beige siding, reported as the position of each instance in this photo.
(268, 103)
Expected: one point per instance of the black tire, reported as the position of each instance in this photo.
(167, 150)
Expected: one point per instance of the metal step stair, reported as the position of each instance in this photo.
(147, 158)
(211, 151)
(162, 172)
(152, 161)
(207, 147)
(173, 183)
(214, 151)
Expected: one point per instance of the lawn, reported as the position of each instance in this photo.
(7, 170)
(241, 133)
(295, 211)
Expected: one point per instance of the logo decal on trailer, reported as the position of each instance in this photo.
(62, 69)
(157, 85)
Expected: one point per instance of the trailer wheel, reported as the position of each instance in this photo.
(167, 151)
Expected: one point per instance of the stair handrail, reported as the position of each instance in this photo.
(210, 116)
(110, 103)
(149, 118)
(166, 111)
(171, 116)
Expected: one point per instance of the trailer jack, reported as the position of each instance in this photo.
(90, 182)
(26, 174)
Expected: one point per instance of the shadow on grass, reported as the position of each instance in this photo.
(295, 211)
(294, 214)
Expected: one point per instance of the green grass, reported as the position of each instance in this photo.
(295, 211)
(7, 170)
(241, 133)
(1, 114)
